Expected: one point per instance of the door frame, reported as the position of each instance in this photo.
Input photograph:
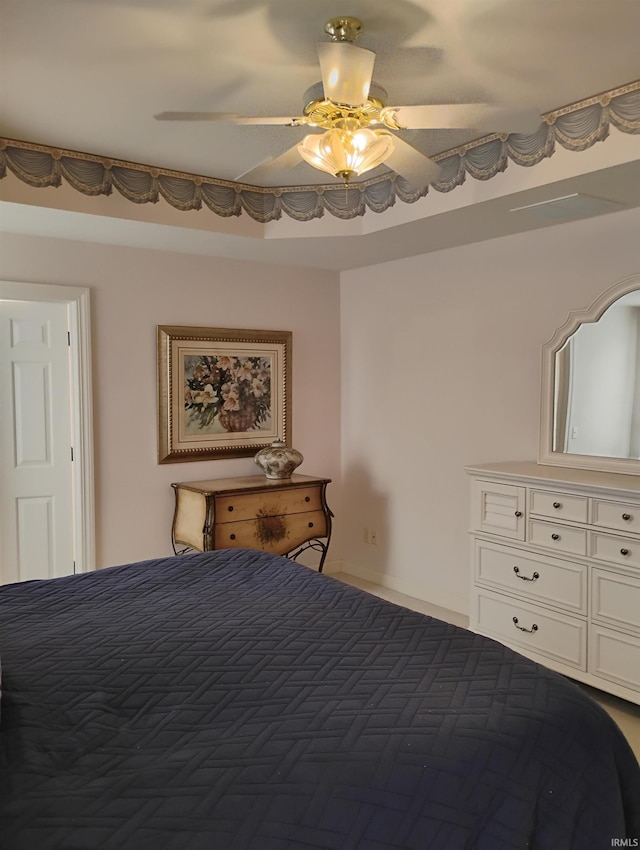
(78, 300)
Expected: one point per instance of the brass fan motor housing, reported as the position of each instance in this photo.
(326, 113)
(321, 112)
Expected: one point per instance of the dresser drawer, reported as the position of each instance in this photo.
(616, 550)
(558, 506)
(233, 508)
(615, 599)
(618, 516)
(615, 656)
(555, 636)
(274, 533)
(561, 538)
(541, 579)
(499, 509)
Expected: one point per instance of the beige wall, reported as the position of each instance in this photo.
(132, 292)
(441, 368)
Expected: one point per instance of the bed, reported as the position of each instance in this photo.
(233, 700)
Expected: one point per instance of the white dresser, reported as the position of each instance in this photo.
(556, 569)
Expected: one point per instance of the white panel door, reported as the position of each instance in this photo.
(36, 482)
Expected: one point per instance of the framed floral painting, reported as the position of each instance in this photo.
(221, 392)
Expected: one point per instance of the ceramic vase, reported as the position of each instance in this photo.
(278, 460)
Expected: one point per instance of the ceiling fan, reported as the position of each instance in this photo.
(350, 108)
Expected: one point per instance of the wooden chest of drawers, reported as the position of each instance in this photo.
(285, 516)
(556, 569)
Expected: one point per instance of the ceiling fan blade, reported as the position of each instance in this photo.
(226, 117)
(346, 72)
(475, 116)
(416, 168)
(271, 167)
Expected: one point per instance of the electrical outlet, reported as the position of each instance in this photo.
(370, 535)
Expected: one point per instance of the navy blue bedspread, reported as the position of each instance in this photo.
(236, 701)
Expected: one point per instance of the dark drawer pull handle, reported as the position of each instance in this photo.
(230, 508)
(533, 628)
(307, 498)
(626, 517)
(233, 537)
(518, 513)
(534, 577)
(310, 525)
(555, 537)
(624, 551)
(557, 505)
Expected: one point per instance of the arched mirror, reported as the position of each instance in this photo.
(590, 406)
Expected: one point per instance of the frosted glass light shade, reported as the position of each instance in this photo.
(346, 153)
(346, 72)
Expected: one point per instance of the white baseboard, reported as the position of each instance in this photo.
(408, 587)
(333, 568)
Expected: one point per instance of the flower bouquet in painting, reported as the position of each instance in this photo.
(227, 393)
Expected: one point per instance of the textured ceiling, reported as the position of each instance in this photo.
(89, 75)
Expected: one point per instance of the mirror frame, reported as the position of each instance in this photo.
(546, 454)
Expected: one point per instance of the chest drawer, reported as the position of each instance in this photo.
(558, 537)
(616, 550)
(272, 533)
(618, 516)
(558, 506)
(546, 580)
(556, 636)
(241, 506)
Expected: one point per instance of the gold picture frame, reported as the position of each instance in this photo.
(222, 392)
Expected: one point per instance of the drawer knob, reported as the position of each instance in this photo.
(310, 525)
(233, 537)
(534, 627)
(518, 513)
(230, 508)
(555, 537)
(557, 505)
(624, 551)
(534, 577)
(626, 517)
(307, 498)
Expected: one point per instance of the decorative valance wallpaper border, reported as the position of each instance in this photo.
(574, 127)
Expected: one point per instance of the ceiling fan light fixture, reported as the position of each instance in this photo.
(345, 152)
